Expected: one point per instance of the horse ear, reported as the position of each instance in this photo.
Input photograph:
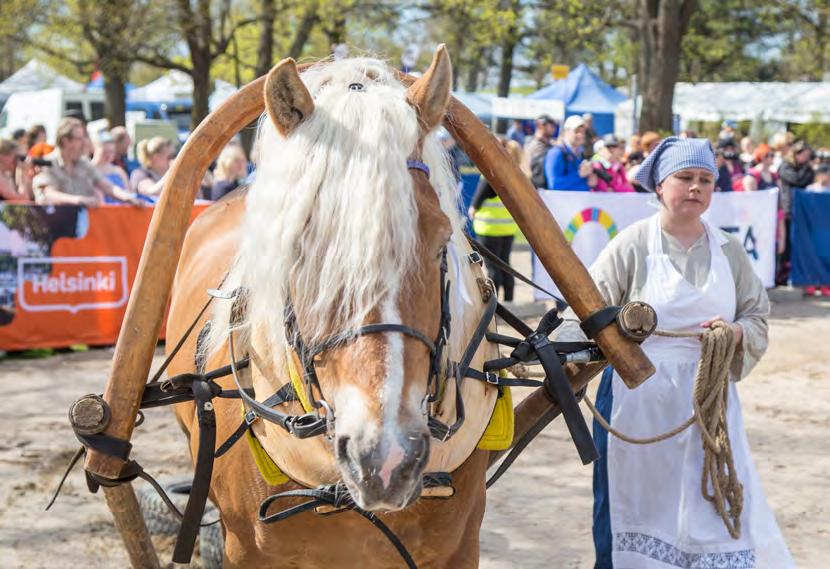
(430, 93)
(286, 97)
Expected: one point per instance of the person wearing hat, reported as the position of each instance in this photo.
(565, 165)
(795, 171)
(728, 129)
(730, 169)
(649, 511)
(608, 166)
(535, 150)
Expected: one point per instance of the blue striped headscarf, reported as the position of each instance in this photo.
(674, 154)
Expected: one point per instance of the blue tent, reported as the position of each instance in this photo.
(583, 92)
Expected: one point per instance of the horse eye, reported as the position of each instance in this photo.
(356, 87)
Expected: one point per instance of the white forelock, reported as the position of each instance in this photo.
(332, 210)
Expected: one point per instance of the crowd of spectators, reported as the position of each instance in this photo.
(570, 161)
(88, 169)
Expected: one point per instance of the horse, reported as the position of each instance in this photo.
(349, 239)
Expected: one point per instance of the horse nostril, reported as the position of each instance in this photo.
(342, 447)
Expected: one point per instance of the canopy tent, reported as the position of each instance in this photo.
(480, 104)
(583, 92)
(772, 104)
(175, 85)
(34, 76)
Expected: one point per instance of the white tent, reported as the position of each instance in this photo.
(173, 86)
(771, 103)
(35, 76)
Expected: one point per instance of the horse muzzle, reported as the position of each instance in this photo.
(385, 474)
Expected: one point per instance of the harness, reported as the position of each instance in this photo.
(534, 348)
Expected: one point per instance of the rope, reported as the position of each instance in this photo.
(710, 403)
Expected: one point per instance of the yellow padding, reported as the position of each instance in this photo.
(499, 432)
(269, 470)
(271, 473)
(299, 388)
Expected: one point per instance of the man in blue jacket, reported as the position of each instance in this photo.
(565, 165)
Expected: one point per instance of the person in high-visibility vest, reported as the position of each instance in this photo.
(494, 226)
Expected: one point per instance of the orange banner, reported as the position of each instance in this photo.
(66, 273)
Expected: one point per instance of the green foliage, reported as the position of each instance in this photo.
(815, 133)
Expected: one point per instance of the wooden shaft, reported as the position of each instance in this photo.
(543, 233)
(162, 248)
(123, 505)
(537, 403)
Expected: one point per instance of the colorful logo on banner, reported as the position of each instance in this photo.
(51, 284)
(588, 215)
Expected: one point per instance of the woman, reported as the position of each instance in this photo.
(154, 156)
(231, 169)
(35, 135)
(761, 176)
(648, 509)
(796, 172)
(494, 226)
(103, 158)
(608, 167)
(8, 170)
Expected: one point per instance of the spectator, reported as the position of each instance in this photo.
(9, 158)
(633, 145)
(632, 164)
(761, 176)
(590, 135)
(730, 171)
(648, 141)
(494, 227)
(608, 167)
(533, 163)
(795, 172)
(781, 143)
(689, 134)
(103, 158)
(154, 155)
(822, 183)
(747, 152)
(728, 130)
(122, 141)
(19, 138)
(35, 135)
(517, 132)
(71, 179)
(231, 169)
(565, 164)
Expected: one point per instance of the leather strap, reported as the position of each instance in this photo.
(599, 320)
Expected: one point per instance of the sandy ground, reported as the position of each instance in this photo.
(539, 515)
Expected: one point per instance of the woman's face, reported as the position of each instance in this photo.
(8, 161)
(687, 193)
(160, 161)
(804, 156)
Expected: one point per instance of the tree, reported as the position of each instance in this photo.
(207, 29)
(661, 24)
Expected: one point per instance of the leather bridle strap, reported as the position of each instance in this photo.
(345, 337)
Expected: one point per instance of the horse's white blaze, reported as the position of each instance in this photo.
(392, 391)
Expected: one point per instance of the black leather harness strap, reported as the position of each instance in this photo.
(599, 320)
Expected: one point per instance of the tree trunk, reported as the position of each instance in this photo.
(304, 31)
(474, 73)
(115, 92)
(662, 25)
(505, 74)
(201, 87)
(265, 49)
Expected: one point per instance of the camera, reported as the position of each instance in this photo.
(41, 162)
(729, 154)
(603, 175)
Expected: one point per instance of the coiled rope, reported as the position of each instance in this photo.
(711, 391)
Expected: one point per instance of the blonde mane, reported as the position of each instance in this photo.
(331, 218)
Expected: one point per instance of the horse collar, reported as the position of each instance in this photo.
(413, 164)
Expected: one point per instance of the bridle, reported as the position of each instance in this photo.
(320, 420)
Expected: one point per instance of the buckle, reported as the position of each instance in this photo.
(223, 294)
(476, 258)
(491, 377)
(250, 417)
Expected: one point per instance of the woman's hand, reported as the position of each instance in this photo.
(737, 329)
(471, 213)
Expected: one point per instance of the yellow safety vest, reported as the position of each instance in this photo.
(493, 220)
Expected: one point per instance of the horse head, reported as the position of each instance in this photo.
(345, 234)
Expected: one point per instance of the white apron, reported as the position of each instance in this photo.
(659, 519)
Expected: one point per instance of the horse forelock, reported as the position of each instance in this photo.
(331, 219)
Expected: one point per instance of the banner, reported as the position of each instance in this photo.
(810, 238)
(590, 220)
(66, 272)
